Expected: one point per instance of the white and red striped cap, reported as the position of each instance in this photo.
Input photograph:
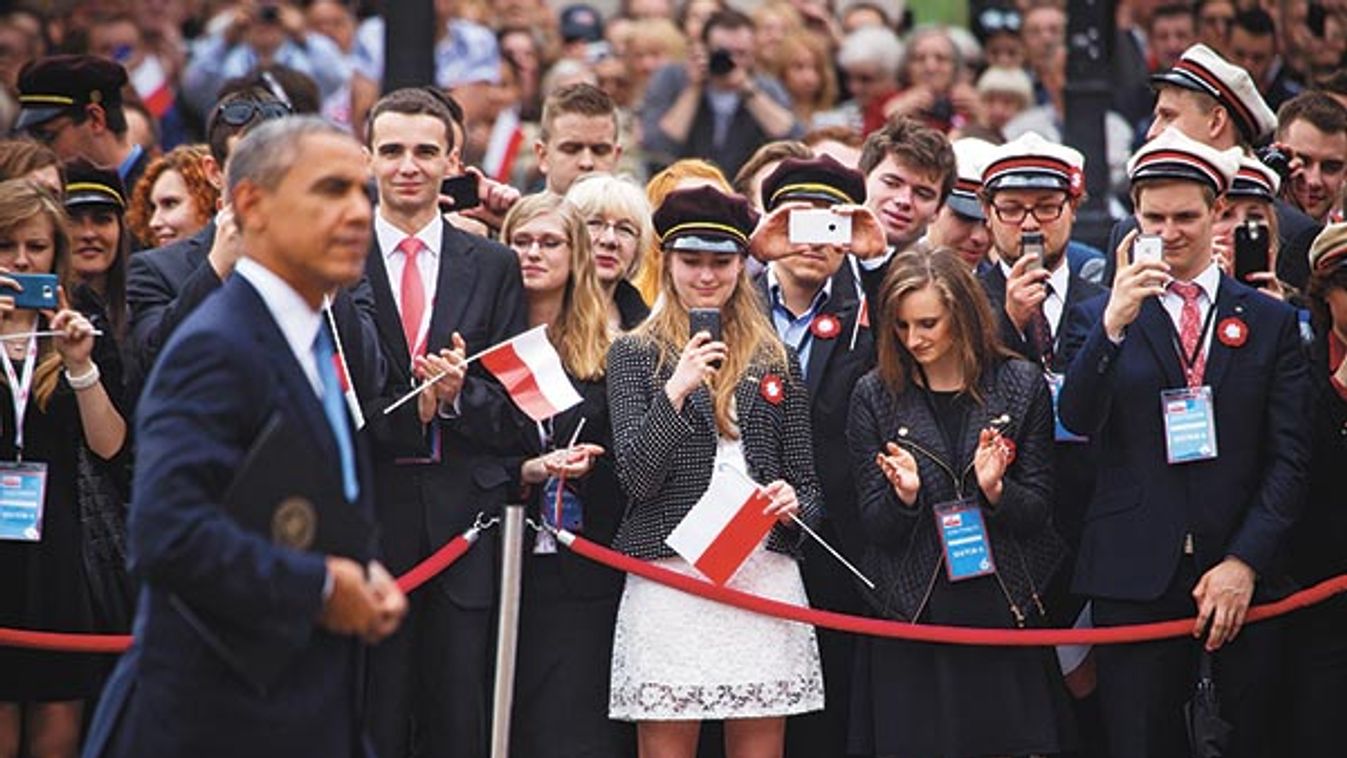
(1329, 249)
(1202, 69)
(1175, 155)
(1031, 162)
(1255, 179)
(970, 155)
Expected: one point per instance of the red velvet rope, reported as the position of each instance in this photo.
(955, 635)
(116, 643)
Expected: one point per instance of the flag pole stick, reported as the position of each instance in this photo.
(421, 387)
(48, 333)
(817, 537)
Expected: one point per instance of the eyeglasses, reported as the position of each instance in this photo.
(243, 112)
(1015, 214)
(623, 230)
(999, 20)
(522, 243)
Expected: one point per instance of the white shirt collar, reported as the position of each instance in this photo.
(1060, 278)
(298, 322)
(1209, 280)
(774, 290)
(389, 236)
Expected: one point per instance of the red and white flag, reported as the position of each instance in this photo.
(724, 527)
(530, 369)
(151, 83)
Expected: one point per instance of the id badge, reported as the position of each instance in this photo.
(23, 490)
(1190, 424)
(571, 516)
(1060, 433)
(968, 551)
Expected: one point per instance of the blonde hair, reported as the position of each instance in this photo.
(604, 194)
(796, 45)
(20, 201)
(745, 329)
(647, 279)
(581, 332)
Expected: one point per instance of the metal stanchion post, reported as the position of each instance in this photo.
(507, 635)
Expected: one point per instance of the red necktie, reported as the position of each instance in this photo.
(1190, 330)
(1040, 332)
(413, 293)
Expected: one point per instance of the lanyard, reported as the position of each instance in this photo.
(1189, 362)
(19, 387)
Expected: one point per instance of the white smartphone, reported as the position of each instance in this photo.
(1148, 247)
(819, 226)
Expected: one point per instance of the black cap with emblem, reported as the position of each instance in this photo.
(705, 219)
(59, 84)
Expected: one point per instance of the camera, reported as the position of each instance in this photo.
(721, 62)
(1278, 158)
(269, 14)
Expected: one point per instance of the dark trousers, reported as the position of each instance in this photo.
(1315, 699)
(1144, 686)
(429, 691)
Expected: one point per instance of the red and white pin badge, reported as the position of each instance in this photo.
(1232, 332)
(825, 326)
(772, 389)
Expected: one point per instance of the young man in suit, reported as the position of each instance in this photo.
(813, 299)
(440, 294)
(1193, 389)
(245, 634)
(961, 223)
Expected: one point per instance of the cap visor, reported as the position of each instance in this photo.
(90, 198)
(1176, 79)
(30, 117)
(1173, 171)
(705, 243)
(1028, 181)
(966, 207)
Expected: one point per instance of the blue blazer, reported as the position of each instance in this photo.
(224, 374)
(1242, 503)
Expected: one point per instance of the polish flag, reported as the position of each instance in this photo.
(150, 81)
(724, 527)
(530, 369)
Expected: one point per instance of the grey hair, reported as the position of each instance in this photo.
(920, 33)
(267, 153)
(872, 45)
(599, 194)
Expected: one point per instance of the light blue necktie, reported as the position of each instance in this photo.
(334, 407)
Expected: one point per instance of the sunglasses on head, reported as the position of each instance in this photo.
(241, 112)
(998, 20)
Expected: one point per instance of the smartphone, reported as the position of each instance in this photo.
(705, 320)
(1251, 249)
(1031, 243)
(1148, 247)
(463, 189)
(819, 226)
(39, 291)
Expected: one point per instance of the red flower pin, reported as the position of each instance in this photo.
(1232, 332)
(773, 391)
(825, 326)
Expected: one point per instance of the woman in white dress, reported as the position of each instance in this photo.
(684, 406)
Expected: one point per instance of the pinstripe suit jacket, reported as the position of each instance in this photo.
(665, 457)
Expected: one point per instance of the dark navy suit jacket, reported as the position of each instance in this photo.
(1240, 504)
(226, 372)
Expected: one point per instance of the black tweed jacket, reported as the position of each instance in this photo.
(904, 551)
(665, 457)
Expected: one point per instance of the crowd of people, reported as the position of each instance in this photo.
(228, 258)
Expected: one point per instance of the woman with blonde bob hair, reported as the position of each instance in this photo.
(950, 432)
(566, 481)
(67, 415)
(692, 408)
(617, 214)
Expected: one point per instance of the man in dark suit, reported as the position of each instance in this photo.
(1193, 388)
(439, 294)
(245, 629)
(813, 299)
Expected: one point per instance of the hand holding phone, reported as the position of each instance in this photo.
(1148, 247)
(34, 291)
(463, 190)
(1032, 243)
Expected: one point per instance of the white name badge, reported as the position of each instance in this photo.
(23, 489)
(1060, 433)
(1190, 424)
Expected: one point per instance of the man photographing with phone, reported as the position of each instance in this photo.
(1194, 392)
(716, 106)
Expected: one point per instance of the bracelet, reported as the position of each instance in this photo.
(83, 381)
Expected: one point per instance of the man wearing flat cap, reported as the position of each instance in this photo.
(1217, 103)
(1194, 391)
(814, 300)
(73, 104)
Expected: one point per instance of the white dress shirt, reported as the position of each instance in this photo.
(427, 262)
(298, 322)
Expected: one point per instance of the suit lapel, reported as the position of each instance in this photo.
(458, 276)
(386, 315)
(303, 400)
(1155, 325)
(1229, 302)
(842, 304)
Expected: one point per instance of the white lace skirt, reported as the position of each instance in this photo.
(678, 657)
